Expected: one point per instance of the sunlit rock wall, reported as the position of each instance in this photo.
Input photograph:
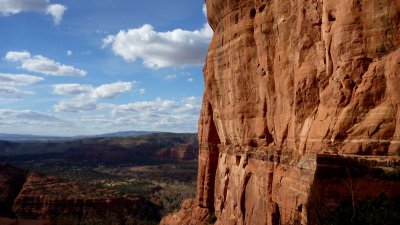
(286, 82)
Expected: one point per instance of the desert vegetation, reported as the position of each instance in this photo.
(62, 172)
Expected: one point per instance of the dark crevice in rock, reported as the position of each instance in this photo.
(262, 7)
(331, 16)
(243, 196)
(253, 13)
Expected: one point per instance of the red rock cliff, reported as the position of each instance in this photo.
(292, 87)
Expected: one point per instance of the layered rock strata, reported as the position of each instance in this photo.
(292, 87)
(42, 197)
(28, 195)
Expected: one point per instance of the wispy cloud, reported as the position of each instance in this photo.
(205, 10)
(167, 115)
(150, 106)
(7, 79)
(158, 115)
(10, 83)
(170, 77)
(27, 117)
(11, 7)
(85, 97)
(43, 65)
(34, 122)
(13, 91)
(76, 105)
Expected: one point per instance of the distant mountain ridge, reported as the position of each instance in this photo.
(111, 150)
(31, 137)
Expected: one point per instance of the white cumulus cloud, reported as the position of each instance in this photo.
(11, 7)
(57, 11)
(43, 65)
(17, 56)
(112, 90)
(72, 89)
(86, 97)
(103, 91)
(176, 48)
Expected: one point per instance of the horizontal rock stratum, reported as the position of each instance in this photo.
(301, 100)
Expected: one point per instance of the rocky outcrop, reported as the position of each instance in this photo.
(43, 197)
(51, 200)
(288, 83)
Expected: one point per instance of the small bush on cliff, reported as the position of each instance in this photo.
(63, 220)
(211, 219)
(394, 174)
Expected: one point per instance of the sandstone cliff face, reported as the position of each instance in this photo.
(309, 76)
(286, 83)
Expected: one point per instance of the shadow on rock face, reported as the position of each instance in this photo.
(354, 190)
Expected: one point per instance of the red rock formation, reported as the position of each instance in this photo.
(179, 152)
(113, 154)
(286, 83)
(42, 197)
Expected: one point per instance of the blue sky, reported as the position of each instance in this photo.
(73, 67)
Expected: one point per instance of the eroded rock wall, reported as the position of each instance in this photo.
(311, 76)
(287, 81)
